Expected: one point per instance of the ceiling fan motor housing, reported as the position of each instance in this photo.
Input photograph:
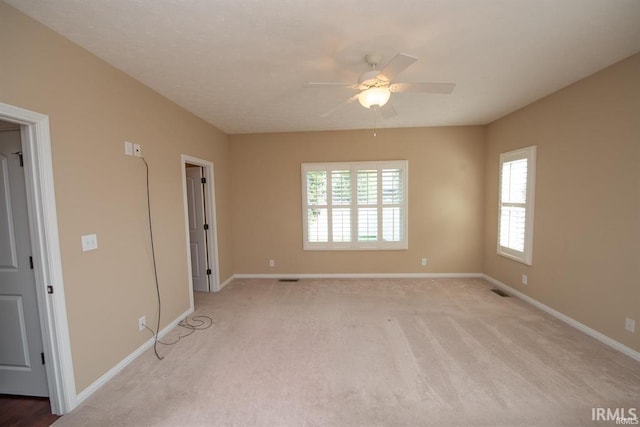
(370, 79)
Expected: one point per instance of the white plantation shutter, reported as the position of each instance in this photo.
(367, 189)
(341, 196)
(316, 209)
(319, 229)
(355, 206)
(341, 223)
(512, 227)
(392, 204)
(515, 219)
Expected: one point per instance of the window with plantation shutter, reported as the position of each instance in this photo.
(355, 205)
(516, 201)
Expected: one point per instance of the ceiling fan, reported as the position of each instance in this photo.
(375, 86)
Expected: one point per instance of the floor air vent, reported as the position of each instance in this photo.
(288, 280)
(500, 292)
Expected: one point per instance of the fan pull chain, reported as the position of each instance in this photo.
(374, 121)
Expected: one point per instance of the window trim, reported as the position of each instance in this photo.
(354, 245)
(530, 154)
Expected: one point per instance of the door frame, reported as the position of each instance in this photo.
(210, 218)
(47, 260)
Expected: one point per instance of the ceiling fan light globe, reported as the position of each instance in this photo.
(375, 96)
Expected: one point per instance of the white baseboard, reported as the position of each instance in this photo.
(226, 282)
(568, 320)
(359, 276)
(84, 394)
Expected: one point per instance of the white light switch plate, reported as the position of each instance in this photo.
(89, 242)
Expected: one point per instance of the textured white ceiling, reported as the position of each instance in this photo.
(242, 64)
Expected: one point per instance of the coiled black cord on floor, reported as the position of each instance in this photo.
(202, 322)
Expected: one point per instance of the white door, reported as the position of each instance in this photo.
(22, 368)
(198, 229)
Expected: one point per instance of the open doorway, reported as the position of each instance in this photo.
(45, 264)
(200, 224)
(22, 370)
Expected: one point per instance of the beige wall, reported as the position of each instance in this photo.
(586, 247)
(446, 199)
(93, 108)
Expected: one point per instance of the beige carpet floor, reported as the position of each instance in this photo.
(423, 352)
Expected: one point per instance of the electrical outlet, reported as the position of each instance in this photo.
(128, 148)
(137, 150)
(141, 323)
(524, 279)
(630, 325)
(423, 261)
(89, 242)
(272, 263)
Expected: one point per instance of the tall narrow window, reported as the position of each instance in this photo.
(355, 206)
(516, 202)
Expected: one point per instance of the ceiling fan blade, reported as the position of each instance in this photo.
(388, 110)
(330, 84)
(428, 87)
(339, 106)
(398, 64)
